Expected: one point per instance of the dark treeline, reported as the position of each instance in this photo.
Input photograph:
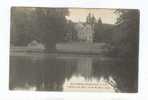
(125, 36)
(50, 26)
(47, 26)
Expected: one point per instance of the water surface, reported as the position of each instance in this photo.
(54, 72)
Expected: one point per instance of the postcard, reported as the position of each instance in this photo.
(74, 49)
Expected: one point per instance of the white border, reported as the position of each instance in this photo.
(4, 50)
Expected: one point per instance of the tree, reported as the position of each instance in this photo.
(21, 26)
(51, 25)
(127, 31)
(90, 19)
(46, 25)
(71, 34)
(98, 28)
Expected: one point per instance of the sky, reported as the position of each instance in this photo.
(79, 15)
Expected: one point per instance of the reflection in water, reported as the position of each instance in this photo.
(84, 67)
(54, 72)
(79, 83)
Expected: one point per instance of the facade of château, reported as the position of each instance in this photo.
(85, 32)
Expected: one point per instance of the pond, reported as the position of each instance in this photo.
(72, 72)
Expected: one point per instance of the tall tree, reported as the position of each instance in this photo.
(47, 25)
(98, 28)
(51, 25)
(128, 30)
(90, 19)
(71, 34)
(21, 25)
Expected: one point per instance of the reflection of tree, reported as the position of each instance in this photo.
(49, 73)
(124, 72)
(44, 74)
(84, 67)
(54, 73)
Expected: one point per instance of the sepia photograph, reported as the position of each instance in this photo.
(74, 49)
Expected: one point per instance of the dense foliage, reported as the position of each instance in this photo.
(126, 32)
(42, 24)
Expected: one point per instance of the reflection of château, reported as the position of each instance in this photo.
(84, 67)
